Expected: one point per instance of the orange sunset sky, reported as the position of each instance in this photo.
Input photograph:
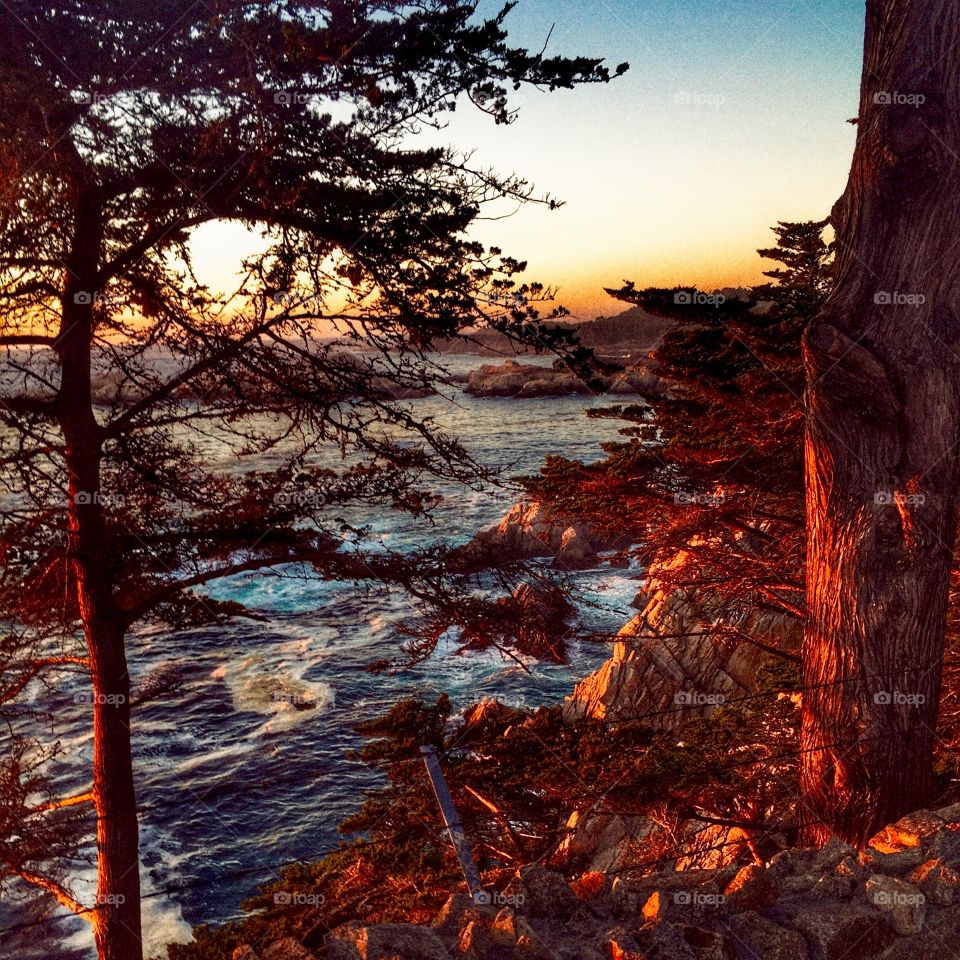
(732, 117)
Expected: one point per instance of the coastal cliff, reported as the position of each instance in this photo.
(686, 652)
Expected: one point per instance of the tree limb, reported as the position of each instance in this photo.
(63, 896)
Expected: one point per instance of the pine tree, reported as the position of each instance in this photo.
(715, 459)
(130, 391)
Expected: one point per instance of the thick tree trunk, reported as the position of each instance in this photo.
(116, 917)
(116, 923)
(883, 361)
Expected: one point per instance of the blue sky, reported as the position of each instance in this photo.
(732, 117)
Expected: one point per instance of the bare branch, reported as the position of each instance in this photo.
(64, 897)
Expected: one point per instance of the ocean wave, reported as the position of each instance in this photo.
(258, 685)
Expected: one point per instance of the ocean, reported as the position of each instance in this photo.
(233, 779)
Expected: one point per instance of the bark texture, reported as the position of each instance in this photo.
(883, 361)
(116, 913)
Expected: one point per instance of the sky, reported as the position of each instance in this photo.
(733, 116)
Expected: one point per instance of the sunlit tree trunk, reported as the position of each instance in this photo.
(883, 360)
(116, 916)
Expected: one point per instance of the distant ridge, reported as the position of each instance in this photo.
(628, 335)
(635, 332)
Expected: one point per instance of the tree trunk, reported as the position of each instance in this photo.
(883, 424)
(116, 924)
(116, 918)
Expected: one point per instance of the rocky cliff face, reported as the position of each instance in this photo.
(687, 652)
(896, 899)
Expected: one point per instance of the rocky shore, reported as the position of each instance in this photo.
(896, 899)
(684, 649)
(529, 380)
(609, 891)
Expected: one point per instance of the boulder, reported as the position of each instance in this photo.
(937, 881)
(584, 951)
(546, 893)
(528, 531)
(944, 926)
(626, 898)
(903, 902)
(949, 814)
(708, 944)
(788, 863)
(508, 927)
(919, 947)
(477, 942)
(474, 717)
(602, 842)
(577, 550)
(691, 901)
(894, 864)
(525, 380)
(455, 914)
(829, 856)
(287, 949)
(908, 832)
(713, 847)
(803, 883)
(664, 941)
(834, 886)
(843, 931)
(544, 615)
(760, 939)
(531, 947)
(945, 845)
(620, 944)
(753, 888)
(655, 907)
(386, 941)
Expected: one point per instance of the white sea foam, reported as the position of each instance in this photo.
(272, 689)
(163, 923)
(214, 756)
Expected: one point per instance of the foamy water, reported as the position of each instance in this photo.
(244, 768)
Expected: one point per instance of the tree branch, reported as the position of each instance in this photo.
(64, 897)
(25, 340)
(34, 668)
(65, 802)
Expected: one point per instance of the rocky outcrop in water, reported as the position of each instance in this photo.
(529, 531)
(897, 899)
(687, 652)
(545, 614)
(528, 380)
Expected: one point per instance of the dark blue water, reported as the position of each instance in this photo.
(233, 779)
